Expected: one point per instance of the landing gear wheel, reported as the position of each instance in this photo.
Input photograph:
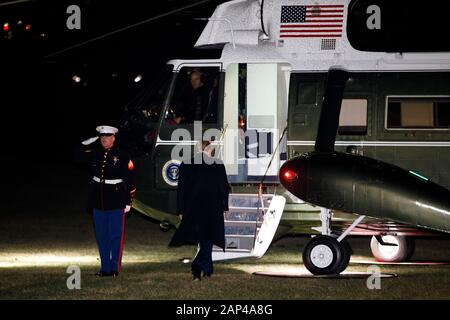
(165, 226)
(403, 250)
(411, 248)
(324, 255)
(346, 253)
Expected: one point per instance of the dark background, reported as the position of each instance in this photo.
(44, 113)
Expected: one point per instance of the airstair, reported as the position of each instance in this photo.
(250, 225)
(252, 219)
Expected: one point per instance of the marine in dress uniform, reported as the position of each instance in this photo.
(202, 199)
(112, 193)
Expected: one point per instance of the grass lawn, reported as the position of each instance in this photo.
(48, 231)
(37, 270)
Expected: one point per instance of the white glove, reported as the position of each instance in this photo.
(127, 208)
(89, 141)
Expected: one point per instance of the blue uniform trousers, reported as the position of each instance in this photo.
(203, 260)
(109, 231)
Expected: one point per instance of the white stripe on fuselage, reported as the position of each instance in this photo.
(337, 143)
(376, 143)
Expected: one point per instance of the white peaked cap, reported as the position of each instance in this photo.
(107, 129)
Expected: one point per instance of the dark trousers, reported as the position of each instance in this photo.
(203, 260)
(109, 231)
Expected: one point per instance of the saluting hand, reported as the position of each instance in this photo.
(89, 141)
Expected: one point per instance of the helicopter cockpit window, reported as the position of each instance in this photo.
(139, 123)
(145, 108)
(195, 97)
(151, 104)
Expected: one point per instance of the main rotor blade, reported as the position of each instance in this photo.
(331, 108)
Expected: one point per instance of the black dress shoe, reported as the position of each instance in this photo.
(196, 272)
(103, 274)
(196, 275)
(115, 273)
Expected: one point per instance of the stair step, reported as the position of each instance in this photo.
(240, 209)
(248, 201)
(243, 216)
(240, 231)
(249, 195)
(240, 235)
(232, 250)
(242, 222)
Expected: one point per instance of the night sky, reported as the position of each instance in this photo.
(43, 110)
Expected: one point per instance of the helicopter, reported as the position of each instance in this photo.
(332, 120)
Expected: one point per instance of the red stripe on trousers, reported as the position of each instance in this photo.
(119, 264)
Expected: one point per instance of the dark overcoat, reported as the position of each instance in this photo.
(202, 198)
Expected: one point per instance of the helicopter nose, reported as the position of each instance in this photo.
(291, 174)
(366, 186)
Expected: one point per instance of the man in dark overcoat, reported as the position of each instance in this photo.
(202, 200)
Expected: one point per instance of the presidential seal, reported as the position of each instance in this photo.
(170, 172)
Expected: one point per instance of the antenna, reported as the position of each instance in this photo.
(125, 28)
(14, 2)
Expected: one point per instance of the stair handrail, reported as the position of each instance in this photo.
(260, 187)
(220, 144)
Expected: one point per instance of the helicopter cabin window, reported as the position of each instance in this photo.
(418, 113)
(307, 93)
(195, 96)
(303, 96)
(353, 117)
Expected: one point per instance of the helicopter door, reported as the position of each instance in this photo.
(256, 108)
(262, 130)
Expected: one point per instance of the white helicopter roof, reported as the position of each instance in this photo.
(309, 35)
